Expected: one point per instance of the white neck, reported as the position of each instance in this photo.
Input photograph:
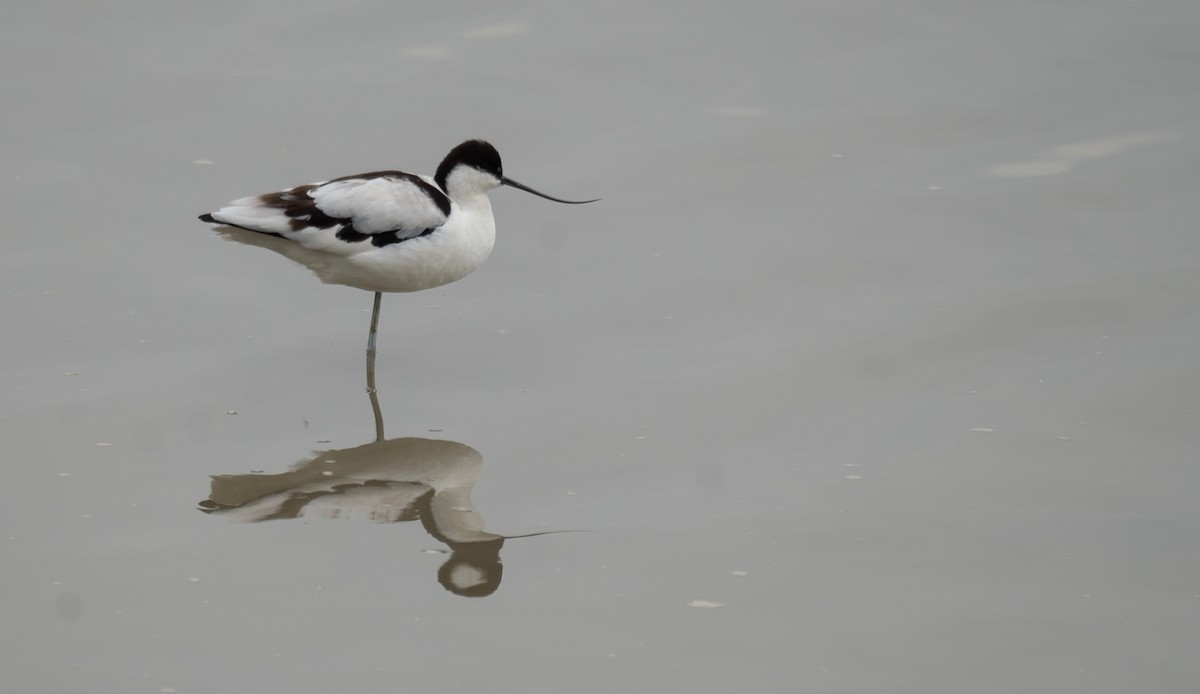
(467, 182)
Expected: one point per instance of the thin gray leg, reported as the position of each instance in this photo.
(371, 392)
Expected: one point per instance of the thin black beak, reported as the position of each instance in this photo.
(509, 182)
(547, 532)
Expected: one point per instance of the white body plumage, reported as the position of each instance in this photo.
(454, 249)
(386, 231)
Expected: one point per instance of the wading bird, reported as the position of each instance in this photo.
(385, 231)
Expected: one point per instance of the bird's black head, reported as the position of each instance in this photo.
(477, 154)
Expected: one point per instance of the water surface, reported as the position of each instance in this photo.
(875, 370)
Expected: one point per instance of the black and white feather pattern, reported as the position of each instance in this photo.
(382, 208)
(385, 231)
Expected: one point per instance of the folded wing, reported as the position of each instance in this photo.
(365, 210)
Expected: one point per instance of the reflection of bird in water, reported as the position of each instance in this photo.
(386, 481)
(385, 231)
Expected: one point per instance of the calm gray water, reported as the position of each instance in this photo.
(874, 371)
